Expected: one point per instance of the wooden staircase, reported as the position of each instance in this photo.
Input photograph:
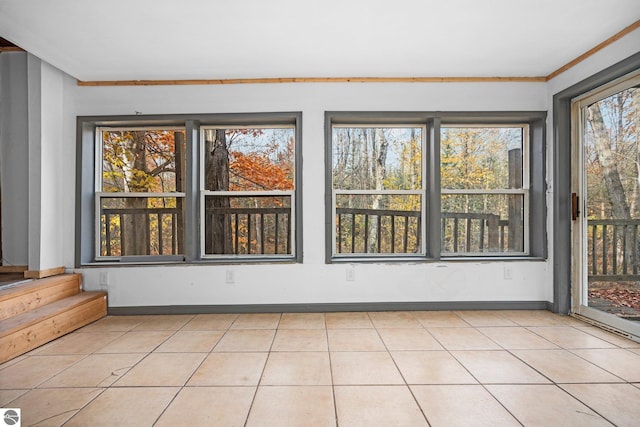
(39, 311)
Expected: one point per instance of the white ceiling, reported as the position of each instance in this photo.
(219, 39)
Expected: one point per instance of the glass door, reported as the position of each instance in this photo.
(606, 205)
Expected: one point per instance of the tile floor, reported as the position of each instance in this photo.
(495, 368)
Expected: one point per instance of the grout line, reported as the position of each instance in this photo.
(406, 384)
(263, 370)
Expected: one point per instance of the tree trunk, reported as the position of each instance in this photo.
(612, 182)
(218, 225)
(134, 227)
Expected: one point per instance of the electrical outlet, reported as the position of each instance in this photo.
(351, 273)
(230, 277)
(104, 278)
(508, 272)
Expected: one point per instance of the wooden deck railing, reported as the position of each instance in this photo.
(377, 231)
(266, 231)
(141, 231)
(613, 249)
(258, 231)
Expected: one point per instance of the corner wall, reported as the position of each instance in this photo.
(14, 156)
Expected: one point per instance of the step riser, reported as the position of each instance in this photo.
(21, 299)
(48, 329)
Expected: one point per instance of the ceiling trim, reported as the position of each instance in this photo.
(536, 79)
(311, 80)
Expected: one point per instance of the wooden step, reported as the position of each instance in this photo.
(26, 331)
(23, 297)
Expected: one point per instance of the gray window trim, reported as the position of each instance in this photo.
(85, 181)
(434, 121)
(562, 167)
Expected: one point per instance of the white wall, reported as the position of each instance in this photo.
(14, 155)
(45, 165)
(314, 281)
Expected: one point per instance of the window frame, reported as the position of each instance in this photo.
(251, 193)
(534, 161)
(88, 152)
(421, 193)
(523, 191)
(100, 194)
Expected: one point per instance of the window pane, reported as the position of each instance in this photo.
(141, 226)
(249, 159)
(474, 223)
(136, 161)
(252, 225)
(376, 158)
(481, 158)
(378, 224)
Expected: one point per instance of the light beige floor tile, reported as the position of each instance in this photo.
(409, 339)
(13, 361)
(208, 406)
(431, 367)
(440, 319)
(191, 342)
(462, 339)
(383, 406)
(609, 337)
(348, 320)
(393, 319)
(210, 322)
(461, 405)
(300, 340)
(361, 368)
(34, 370)
(544, 406)
(246, 340)
(95, 370)
(620, 362)
(135, 406)
(618, 403)
(484, 318)
(114, 324)
(539, 318)
(302, 321)
(136, 342)
(297, 368)
(276, 406)
(561, 366)
(164, 322)
(517, 338)
(256, 321)
(230, 369)
(498, 367)
(569, 337)
(635, 350)
(7, 396)
(355, 340)
(80, 343)
(162, 370)
(53, 407)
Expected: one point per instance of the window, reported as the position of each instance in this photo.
(189, 188)
(378, 189)
(407, 186)
(484, 180)
(248, 191)
(140, 192)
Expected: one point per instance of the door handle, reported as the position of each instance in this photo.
(575, 207)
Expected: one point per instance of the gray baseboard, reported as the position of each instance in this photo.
(331, 307)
